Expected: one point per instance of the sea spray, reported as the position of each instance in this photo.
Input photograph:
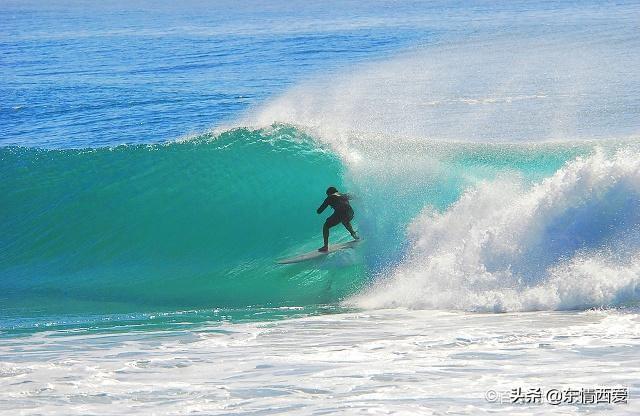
(568, 241)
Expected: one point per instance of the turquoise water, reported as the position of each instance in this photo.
(191, 230)
(182, 225)
(158, 158)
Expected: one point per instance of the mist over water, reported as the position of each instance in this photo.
(530, 75)
(501, 89)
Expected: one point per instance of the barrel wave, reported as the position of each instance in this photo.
(192, 224)
(198, 224)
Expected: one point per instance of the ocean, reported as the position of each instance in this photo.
(158, 158)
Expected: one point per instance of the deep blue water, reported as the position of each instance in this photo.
(81, 73)
(88, 73)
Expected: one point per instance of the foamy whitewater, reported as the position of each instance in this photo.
(157, 160)
(382, 362)
(569, 241)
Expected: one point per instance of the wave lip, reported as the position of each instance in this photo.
(570, 241)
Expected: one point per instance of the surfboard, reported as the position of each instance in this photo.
(315, 254)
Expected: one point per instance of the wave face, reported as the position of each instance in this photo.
(163, 227)
(198, 224)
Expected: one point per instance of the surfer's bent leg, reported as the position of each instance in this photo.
(346, 221)
(349, 227)
(332, 221)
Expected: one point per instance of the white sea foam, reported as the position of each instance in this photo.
(383, 362)
(569, 241)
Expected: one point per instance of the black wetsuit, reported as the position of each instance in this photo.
(343, 213)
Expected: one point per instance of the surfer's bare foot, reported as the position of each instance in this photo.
(323, 249)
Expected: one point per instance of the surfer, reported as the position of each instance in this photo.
(342, 213)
